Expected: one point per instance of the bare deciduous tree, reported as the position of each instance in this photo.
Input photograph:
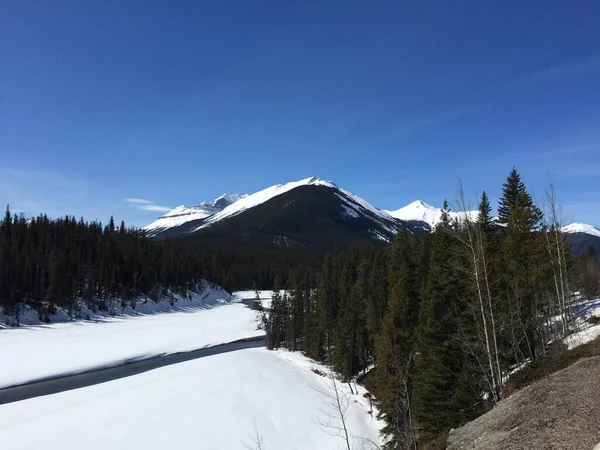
(556, 245)
(257, 440)
(403, 430)
(335, 410)
(472, 240)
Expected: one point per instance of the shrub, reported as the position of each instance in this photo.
(544, 367)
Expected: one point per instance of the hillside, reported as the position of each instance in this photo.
(308, 216)
(560, 411)
(581, 237)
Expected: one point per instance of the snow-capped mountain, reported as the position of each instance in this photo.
(352, 204)
(258, 198)
(579, 227)
(183, 214)
(308, 212)
(313, 213)
(581, 236)
(419, 211)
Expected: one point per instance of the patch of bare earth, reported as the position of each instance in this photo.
(559, 412)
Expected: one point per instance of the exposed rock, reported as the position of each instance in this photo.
(561, 411)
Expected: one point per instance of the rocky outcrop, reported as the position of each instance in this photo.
(561, 411)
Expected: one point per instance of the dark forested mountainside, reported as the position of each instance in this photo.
(583, 243)
(308, 216)
(444, 318)
(314, 217)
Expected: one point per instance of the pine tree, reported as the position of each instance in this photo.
(314, 334)
(377, 299)
(438, 361)
(445, 217)
(393, 355)
(510, 191)
(274, 325)
(345, 335)
(484, 219)
(327, 303)
(589, 273)
(524, 258)
(361, 295)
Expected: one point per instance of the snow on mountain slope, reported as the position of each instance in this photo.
(356, 203)
(418, 210)
(183, 214)
(423, 212)
(578, 227)
(350, 201)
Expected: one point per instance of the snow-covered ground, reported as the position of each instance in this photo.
(586, 312)
(265, 296)
(33, 353)
(209, 403)
(206, 295)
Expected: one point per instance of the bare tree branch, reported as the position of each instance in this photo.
(257, 440)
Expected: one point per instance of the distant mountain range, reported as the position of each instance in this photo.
(183, 214)
(312, 213)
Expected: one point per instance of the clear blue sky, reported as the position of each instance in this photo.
(176, 102)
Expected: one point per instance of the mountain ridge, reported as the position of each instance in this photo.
(418, 217)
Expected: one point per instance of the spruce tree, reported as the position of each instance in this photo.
(524, 260)
(327, 303)
(484, 219)
(276, 316)
(510, 191)
(345, 335)
(377, 299)
(589, 273)
(393, 355)
(438, 361)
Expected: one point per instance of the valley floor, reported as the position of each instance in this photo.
(208, 403)
(211, 403)
(34, 353)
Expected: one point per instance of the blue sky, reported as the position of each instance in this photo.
(178, 102)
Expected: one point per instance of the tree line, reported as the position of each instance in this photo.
(67, 263)
(442, 319)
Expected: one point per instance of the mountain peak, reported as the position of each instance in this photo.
(419, 204)
(222, 202)
(249, 201)
(315, 181)
(424, 212)
(579, 227)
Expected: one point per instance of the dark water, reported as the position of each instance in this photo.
(66, 383)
